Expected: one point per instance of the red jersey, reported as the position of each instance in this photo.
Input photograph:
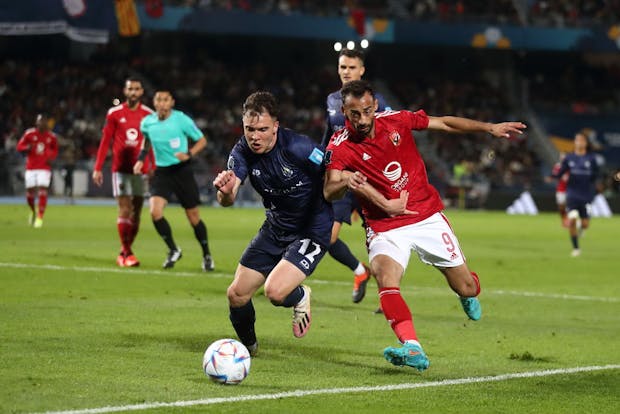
(122, 127)
(562, 181)
(40, 148)
(392, 163)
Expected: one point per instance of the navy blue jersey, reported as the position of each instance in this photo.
(289, 178)
(335, 117)
(583, 170)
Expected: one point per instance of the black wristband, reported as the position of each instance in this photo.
(142, 155)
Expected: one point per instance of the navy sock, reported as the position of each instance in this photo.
(341, 252)
(575, 242)
(200, 231)
(293, 298)
(164, 230)
(243, 319)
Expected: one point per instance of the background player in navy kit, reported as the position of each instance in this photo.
(580, 189)
(286, 169)
(350, 68)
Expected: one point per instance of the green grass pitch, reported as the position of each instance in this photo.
(78, 333)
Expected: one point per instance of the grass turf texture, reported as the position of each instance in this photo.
(77, 332)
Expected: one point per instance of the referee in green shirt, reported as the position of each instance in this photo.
(167, 131)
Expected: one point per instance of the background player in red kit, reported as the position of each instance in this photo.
(376, 157)
(122, 129)
(40, 147)
(560, 190)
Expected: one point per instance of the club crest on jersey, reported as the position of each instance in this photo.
(288, 173)
(395, 138)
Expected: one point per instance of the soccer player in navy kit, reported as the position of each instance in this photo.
(350, 68)
(580, 189)
(286, 169)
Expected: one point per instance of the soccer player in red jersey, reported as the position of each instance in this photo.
(376, 157)
(40, 146)
(122, 130)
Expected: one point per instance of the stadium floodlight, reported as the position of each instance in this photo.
(350, 45)
(337, 46)
(364, 43)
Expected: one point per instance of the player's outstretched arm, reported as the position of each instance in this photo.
(457, 124)
(227, 185)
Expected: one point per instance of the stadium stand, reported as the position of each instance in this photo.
(210, 83)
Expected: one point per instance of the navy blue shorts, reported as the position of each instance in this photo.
(268, 247)
(581, 206)
(344, 207)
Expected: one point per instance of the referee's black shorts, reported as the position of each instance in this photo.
(176, 179)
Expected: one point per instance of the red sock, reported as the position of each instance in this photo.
(42, 201)
(397, 312)
(30, 199)
(135, 225)
(125, 226)
(477, 280)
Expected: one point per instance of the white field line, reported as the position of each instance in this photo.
(313, 280)
(332, 391)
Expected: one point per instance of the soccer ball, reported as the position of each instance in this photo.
(226, 361)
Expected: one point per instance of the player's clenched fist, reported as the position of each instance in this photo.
(225, 181)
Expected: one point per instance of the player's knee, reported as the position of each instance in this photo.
(275, 295)
(236, 298)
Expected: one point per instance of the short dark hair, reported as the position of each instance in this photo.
(352, 53)
(260, 102)
(356, 89)
(588, 141)
(134, 79)
(165, 90)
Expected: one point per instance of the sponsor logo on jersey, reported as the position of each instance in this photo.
(392, 171)
(132, 137)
